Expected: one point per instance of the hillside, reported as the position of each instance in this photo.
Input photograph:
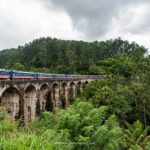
(62, 56)
(112, 113)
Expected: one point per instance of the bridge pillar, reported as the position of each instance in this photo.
(72, 91)
(85, 84)
(56, 95)
(64, 95)
(42, 98)
(30, 104)
(57, 100)
(79, 88)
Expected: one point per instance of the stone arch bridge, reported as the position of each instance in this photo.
(27, 98)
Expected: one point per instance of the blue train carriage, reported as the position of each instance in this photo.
(69, 76)
(73, 76)
(44, 75)
(4, 74)
(23, 75)
(83, 76)
(94, 76)
(60, 76)
(89, 76)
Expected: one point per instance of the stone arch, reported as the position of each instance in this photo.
(55, 94)
(30, 103)
(44, 86)
(4, 89)
(45, 98)
(72, 91)
(64, 95)
(10, 99)
(55, 84)
(35, 85)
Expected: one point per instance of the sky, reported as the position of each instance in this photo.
(22, 21)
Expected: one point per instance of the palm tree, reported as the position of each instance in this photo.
(137, 136)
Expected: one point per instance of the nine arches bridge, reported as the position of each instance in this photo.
(24, 98)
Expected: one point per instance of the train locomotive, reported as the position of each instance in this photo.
(13, 74)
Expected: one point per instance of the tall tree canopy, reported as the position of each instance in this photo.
(62, 56)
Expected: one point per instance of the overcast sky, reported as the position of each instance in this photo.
(21, 21)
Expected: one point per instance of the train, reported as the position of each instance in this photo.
(14, 74)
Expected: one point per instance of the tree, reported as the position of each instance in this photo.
(18, 66)
(137, 136)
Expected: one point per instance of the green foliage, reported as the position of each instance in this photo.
(117, 66)
(18, 66)
(6, 126)
(23, 141)
(60, 56)
(137, 136)
(126, 94)
(126, 90)
(84, 125)
(96, 70)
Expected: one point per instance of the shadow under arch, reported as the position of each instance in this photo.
(10, 99)
(45, 98)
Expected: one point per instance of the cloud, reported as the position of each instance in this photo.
(99, 19)
(95, 17)
(22, 21)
